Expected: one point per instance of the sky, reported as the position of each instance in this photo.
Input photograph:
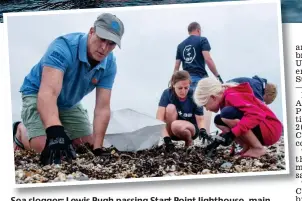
(244, 38)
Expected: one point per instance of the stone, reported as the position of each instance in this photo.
(206, 171)
(226, 165)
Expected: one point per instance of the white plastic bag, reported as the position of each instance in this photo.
(129, 130)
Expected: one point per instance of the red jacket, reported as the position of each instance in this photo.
(255, 113)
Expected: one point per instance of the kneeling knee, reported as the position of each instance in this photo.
(218, 120)
(230, 112)
(38, 143)
(170, 109)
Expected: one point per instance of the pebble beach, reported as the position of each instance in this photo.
(154, 162)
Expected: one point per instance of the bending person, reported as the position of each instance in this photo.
(193, 53)
(263, 90)
(177, 109)
(73, 66)
(242, 117)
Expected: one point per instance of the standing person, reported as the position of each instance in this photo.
(243, 117)
(193, 53)
(73, 65)
(263, 90)
(178, 110)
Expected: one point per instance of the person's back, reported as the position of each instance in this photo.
(263, 90)
(256, 83)
(189, 53)
(241, 96)
(194, 53)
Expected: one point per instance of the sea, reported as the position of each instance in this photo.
(291, 9)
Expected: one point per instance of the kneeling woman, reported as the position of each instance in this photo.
(242, 118)
(184, 120)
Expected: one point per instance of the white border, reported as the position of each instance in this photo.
(221, 175)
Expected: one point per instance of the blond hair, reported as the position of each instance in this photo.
(209, 87)
(270, 93)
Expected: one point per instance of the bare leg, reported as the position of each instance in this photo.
(170, 116)
(224, 129)
(21, 135)
(256, 149)
(184, 130)
(38, 143)
(83, 140)
(207, 120)
(250, 141)
(241, 142)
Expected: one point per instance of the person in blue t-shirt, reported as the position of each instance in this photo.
(180, 113)
(193, 53)
(263, 90)
(73, 65)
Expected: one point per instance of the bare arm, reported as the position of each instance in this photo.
(51, 85)
(209, 61)
(160, 115)
(101, 116)
(177, 65)
(200, 121)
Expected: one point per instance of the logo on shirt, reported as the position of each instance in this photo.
(185, 114)
(58, 56)
(94, 81)
(189, 54)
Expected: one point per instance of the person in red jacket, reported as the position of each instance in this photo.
(242, 118)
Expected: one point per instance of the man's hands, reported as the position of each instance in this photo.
(169, 144)
(58, 146)
(204, 136)
(101, 152)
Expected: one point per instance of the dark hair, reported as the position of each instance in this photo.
(193, 26)
(179, 76)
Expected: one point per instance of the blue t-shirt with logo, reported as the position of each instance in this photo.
(189, 52)
(68, 54)
(256, 83)
(186, 109)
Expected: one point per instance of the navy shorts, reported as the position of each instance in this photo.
(230, 112)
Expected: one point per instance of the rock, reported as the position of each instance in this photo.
(226, 165)
(173, 168)
(238, 168)
(20, 174)
(70, 176)
(206, 171)
(281, 166)
(62, 176)
(147, 163)
(258, 164)
(46, 167)
(175, 156)
(170, 174)
(243, 161)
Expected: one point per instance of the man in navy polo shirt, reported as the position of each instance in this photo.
(73, 65)
(193, 53)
